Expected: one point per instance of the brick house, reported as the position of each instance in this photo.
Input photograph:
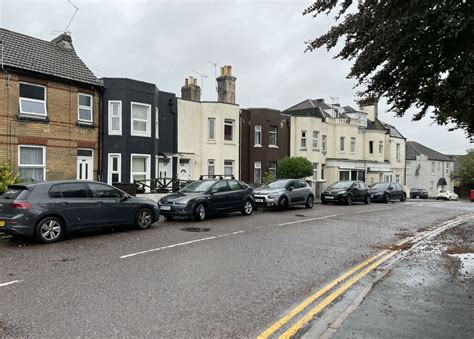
(49, 109)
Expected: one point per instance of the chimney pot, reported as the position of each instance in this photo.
(190, 90)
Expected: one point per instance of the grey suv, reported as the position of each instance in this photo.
(283, 193)
(49, 209)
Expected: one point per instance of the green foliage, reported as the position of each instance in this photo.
(466, 170)
(294, 168)
(415, 53)
(6, 177)
(267, 177)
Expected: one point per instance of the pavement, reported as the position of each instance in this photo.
(234, 278)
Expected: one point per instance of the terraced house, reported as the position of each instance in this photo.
(49, 109)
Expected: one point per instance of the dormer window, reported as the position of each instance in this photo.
(33, 99)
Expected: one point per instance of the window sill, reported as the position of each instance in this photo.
(303, 149)
(119, 134)
(229, 143)
(140, 135)
(85, 124)
(316, 149)
(259, 146)
(211, 142)
(273, 146)
(32, 117)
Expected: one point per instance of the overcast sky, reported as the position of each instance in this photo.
(163, 42)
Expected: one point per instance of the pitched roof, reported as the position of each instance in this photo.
(56, 58)
(413, 149)
(393, 131)
(314, 107)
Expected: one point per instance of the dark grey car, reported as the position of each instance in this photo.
(282, 193)
(47, 210)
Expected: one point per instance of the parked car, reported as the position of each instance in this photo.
(418, 193)
(47, 210)
(282, 193)
(446, 195)
(211, 196)
(346, 192)
(386, 191)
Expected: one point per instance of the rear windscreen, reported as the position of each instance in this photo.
(15, 193)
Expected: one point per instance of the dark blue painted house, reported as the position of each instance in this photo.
(139, 125)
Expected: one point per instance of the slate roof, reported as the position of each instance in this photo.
(413, 149)
(56, 58)
(393, 131)
(312, 107)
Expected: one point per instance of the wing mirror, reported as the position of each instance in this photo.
(291, 188)
(124, 198)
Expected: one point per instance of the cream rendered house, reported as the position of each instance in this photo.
(346, 144)
(208, 132)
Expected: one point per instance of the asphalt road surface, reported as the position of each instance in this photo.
(233, 280)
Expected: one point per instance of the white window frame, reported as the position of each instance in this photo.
(397, 178)
(81, 157)
(353, 144)
(342, 146)
(229, 122)
(211, 163)
(380, 147)
(315, 140)
(397, 152)
(257, 165)
(147, 132)
(433, 168)
(272, 170)
(408, 167)
(303, 139)
(111, 117)
(324, 140)
(157, 123)
(20, 98)
(20, 165)
(209, 120)
(270, 133)
(147, 165)
(86, 108)
(447, 168)
(258, 136)
(231, 166)
(110, 171)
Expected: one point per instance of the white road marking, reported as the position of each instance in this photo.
(373, 210)
(306, 220)
(10, 283)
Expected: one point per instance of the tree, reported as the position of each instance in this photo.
(6, 177)
(466, 170)
(417, 53)
(294, 168)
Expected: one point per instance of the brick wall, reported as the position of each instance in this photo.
(60, 134)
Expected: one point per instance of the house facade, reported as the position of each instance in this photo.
(49, 109)
(346, 144)
(265, 139)
(139, 141)
(428, 169)
(208, 132)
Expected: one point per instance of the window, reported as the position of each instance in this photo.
(303, 139)
(273, 136)
(439, 166)
(115, 118)
(315, 139)
(397, 177)
(141, 120)
(257, 172)
(228, 167)
(84, 108)
(73, 190)
(447, 168)
(115, 168)
(258, 135)
(31, 162)
(380, 147)
(234, 185)
(140, 167)
(157, 123)
(32, 99)
(324, 142)
(101, 191)
(341, 144)
(433, 168)
(272, 168)
(408, 167)
(315, 170)
(353, 144)
(228, 130)
(344, 175)
(220, 186)
(431, 185)
(397, 155)
(371, 147)
(211, 129)
(211, 169)
(323, 167)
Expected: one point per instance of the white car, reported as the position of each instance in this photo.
(447, 195)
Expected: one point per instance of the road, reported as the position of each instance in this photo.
(234, 279)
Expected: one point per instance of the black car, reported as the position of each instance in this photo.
(346, 192)
(211, 196)
(386, 191)
(418, 193)
(47, 210)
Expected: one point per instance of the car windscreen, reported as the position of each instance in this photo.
(276, 184)
(380, 185)
(341, 184)
(198, 186)
(15, 192)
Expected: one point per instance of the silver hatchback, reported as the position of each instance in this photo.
(283, 193)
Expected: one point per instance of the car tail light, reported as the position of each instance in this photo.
(20, 205)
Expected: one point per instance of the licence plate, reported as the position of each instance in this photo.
(328, 197)
(2, 223)
(258, 200)
(165, 208)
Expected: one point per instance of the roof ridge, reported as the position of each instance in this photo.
(25, 35)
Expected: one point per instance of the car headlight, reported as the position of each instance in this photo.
(342, 192)
(183, 201)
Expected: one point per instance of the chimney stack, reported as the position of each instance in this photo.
(370, 106)
(226, 85)
(191, 90)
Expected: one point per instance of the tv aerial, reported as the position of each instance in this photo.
(75, 11)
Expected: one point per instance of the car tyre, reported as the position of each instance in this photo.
(49, 230)
(144, 219)
(247, 209)
(403, 198)
(168, 217)
(309, 202)
(200, 212)
(349, 200)
(283, 204)
(386, 198)
(368, 200)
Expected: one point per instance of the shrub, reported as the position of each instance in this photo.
(6, 177)
(294, 168)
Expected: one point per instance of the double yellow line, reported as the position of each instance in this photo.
(363, 269)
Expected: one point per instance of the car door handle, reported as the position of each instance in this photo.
(99, 203)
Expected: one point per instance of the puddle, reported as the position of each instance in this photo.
(466, 267)
(195, 229)
(300, 215)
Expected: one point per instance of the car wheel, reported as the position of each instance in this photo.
(248, 208)
(144, 219)
(368, 200)
(349, 199)
(386, 198)
(310, 202)
(403, 198)
(200, 212)
(168, 217)
(49, 230)
(283, 204)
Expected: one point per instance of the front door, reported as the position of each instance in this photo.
(84, 168)
(184, 169)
